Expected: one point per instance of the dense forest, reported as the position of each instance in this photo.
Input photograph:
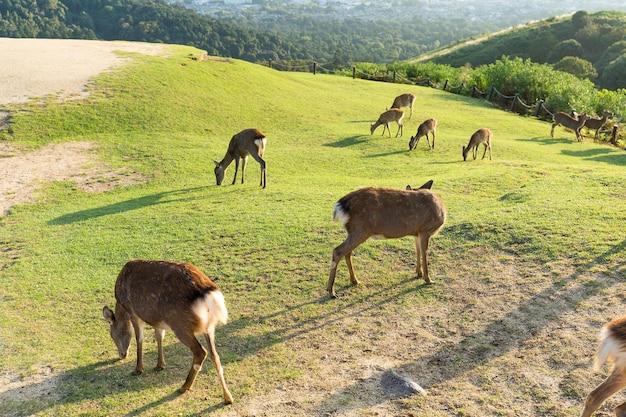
(588, 45)
(336, 42)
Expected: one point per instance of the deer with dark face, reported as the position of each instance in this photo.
(481, 136)
(428, 126)
(167, 296)
(247, 142)
(389, 213)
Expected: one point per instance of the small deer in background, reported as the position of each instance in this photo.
(596, 124)
(483, 136)
(564, 119)
(173, 296)
(428, 126)
(247, 142)
(390, 213)
(612, 348)
(404, 100)
(392, 115)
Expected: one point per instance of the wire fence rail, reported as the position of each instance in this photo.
(513, 104)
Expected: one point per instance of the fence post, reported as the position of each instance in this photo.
(539, 103)
(614, 135)
(490, 92)
(270, 63)
(513, 103)
(394, 76)
(445, 85)
(354, 72)
(314, 67)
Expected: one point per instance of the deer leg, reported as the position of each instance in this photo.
(199, 353)
(386, 127)
(614, 383)
(422, 252)
(159, 334)
(244, 161)
(138, 327)
(418, 262)
(341, 251)
(400, 130)
(620, 410)
(555, 124)
(485, 152)
(236, 169)
(209, 336)
(475, 151)
(431, 147)
(261, 161)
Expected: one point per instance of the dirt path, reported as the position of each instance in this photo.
(38, 67)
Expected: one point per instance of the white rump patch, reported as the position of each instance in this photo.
(610, 350)
(260, 143)
(210, 309)
(339, 214)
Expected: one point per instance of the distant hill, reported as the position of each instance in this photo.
(589, 45)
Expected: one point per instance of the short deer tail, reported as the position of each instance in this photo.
(340, 212)
(610, 350)
(217, 305)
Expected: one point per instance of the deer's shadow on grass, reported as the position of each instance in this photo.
(349, 141)
(607, 155)
(165, 197)
(495, 340)
(548, 140)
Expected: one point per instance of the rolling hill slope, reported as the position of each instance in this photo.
(528, 267)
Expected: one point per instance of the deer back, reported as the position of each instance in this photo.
(390, 212)
(164, 293)
(403, 100)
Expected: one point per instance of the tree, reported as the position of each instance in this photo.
(577, 66)
(613, 75)
(568, 47)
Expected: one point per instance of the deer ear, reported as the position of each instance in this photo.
(427, 185)
(408, 188)
(108, 315)
(216, 163)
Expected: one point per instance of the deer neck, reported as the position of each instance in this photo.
(228, 158)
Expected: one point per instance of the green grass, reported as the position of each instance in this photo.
(541, 200)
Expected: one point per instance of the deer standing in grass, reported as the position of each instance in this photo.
(428, 126)
(392, 115)
(390, 213)
(595, 123)
(247, 142)
(564, 119)
(167, 296)
(404, 100)
(481, 136)
(612, 349)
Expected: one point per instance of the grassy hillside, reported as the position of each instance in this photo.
(528, 267)
(595, 41)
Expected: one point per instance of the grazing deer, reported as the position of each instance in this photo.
(391, 115)
(564, 119)
(483, 136)
(428, 126)
(247, 142)
(597, 123)
(612, 349)
(390, 213)
(404, 100)
(173, 296)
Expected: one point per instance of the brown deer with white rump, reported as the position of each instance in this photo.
(481, 136)
(168, 296)
(564, 119)
(428, 126)
(404, 100)
(390, 213)
(247, 142)
(596, 124)
(612, 349)
(391, 115)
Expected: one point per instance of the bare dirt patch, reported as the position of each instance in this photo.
(39, 67)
